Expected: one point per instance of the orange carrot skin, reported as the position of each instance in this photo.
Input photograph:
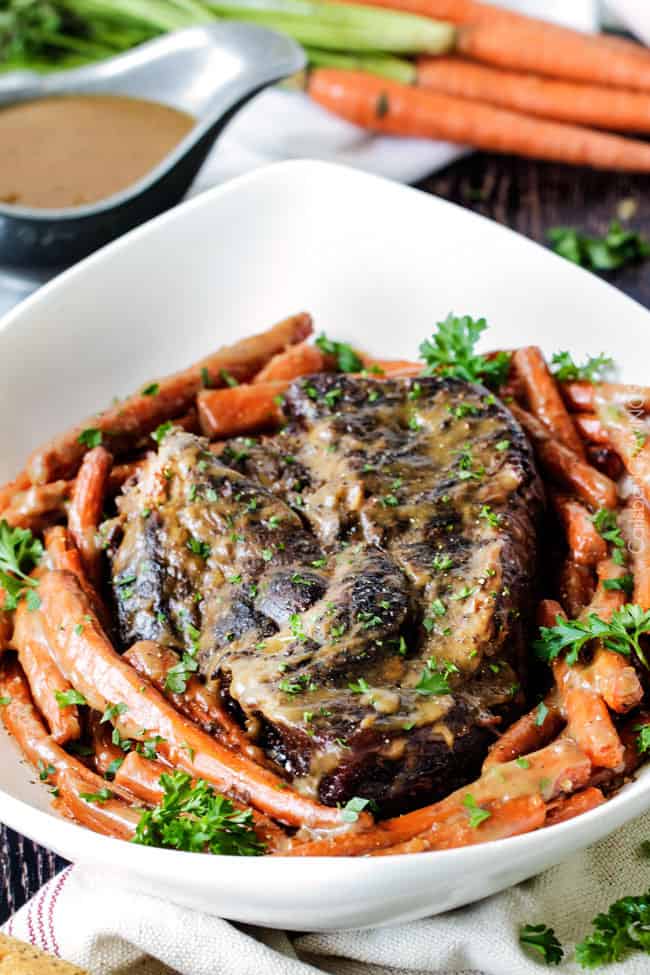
(586, 545)
(571, 806)
(113, 817)
(38, 506)
(581, 104)
(588, 720)
(590, 427)
(92, 665)
(576, 587)
(526, 735)
(86, 508)
(543, 397)
(299, 360)
(387, 106)
(580, 395)
(241, 409)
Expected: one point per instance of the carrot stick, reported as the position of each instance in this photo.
(588, 720)
(509, 817)
(86, 509)
(560, 767)
(7, 491)
(590, 428)
(615, 680)
(65, 557)
(562, 101)
(606, 601)
(299, 360)
(86, 656)
(629, 437)
(241, 409)
(39, 506)
(121, 473)
(387, 106)
(543, 397)
(112, 816)
(566, 467)
(586, 546)
(124, 424)
(6, 624)
(571, 806)
(141, 776)
(528, 734)
(106, 754)
(576, 587)
(583, 395)
(44, 677)
(23, 721)
(548, 51)
(153, 661)
(391, 368)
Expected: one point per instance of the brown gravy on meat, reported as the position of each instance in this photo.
(72, 150)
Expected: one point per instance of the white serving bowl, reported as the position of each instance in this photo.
(377, 264)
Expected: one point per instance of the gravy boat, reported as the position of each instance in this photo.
(208, 71)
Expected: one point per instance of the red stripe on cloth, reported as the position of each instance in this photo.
(56, 892)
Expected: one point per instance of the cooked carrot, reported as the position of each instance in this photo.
(86, 509)
(65, 557)
(560, 767)
(543, 397)
(154, 662)
(111, 816)
(531, 47)
(86, 656)
(588, 720)
(563, 101)
(590, 428)
(548, 612)
(565, 466)
(106, 754)
(629, 437)
(586, 545)
(582, 395)
(576, 587)
(241, 409)
(6, 624)
(37, 507)
(123, 425)
(390, 107)
(299, 360)
(605, 601)
(571, 806)
(615, 680)
(44, 677)
(391, 368)
(121, 473)
(141, 776)
(528, 734)
(7, 491)
(22, 720)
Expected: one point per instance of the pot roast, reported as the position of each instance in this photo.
(356, 588)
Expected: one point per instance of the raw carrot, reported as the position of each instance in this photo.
(387, 106)
(543, 397)
(566, 467)
(124, 425)
(586, 545)
(93, 667)
(571, 806)
(86, 509)
(563, 101)
(241, 409)
(299, 360)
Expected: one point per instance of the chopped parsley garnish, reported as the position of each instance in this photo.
(20, 552)
(492, 518)
(161, 431)
(624, 583)
(434, 679)
(101, 796)
(197, 547)
(151, 390)
(621, 633)
(66, 699)
(643, 737)
(113, 712)
(352, 808)
(617, 248)
(346, 358)
(466, 470)
(540, 941)
(360, 686)
(5, 700)
(606, 525)
(441, 563)
(91, 437)
(450, 352)
(197, 819)
(45, 771)
(592, 370)
(476, 814)
(522, 762)
(227, 378)
(502, 445)
(206, 382)
(541, 714)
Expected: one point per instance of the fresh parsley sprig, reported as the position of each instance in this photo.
(197, 819)
(623, 928)
(450, 352)
(593, 369)
(20, 552)
(615, 249)
(434, 679)
(621, 633)
(541, 941)
(344, 355)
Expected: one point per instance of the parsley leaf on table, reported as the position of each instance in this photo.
(540, 940)
(622, 633)
(197, 819)
(20, 552)
(593, 369)
(450, 352)
(617, 248)
(623, 928)
(346, 358)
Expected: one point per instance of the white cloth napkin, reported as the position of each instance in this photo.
(113, 932)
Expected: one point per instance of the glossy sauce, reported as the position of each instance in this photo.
(74, 150)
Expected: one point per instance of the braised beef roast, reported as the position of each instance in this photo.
(356, 587)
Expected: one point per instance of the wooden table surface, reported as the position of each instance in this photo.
(529, 197)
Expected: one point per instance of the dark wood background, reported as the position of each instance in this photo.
(529, 197)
